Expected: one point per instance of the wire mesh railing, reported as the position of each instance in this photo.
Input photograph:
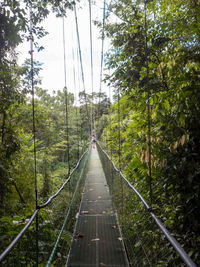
(56, 220)
(146, 239)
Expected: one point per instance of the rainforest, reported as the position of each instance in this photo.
(150, 127)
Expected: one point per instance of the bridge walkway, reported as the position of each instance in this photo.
(97, 240)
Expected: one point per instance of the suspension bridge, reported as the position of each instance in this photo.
(97, 240)
(109, 221)
(105, 221)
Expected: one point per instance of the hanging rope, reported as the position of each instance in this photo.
(119, 150)
(66, 218)
(148, 103)
(79, 86)
(34, 131)
(66, 97)
(110, 118)
(119, 129)
(64, 54)
(102, 54)
(91, 63)
(81, 63)
(76, 104)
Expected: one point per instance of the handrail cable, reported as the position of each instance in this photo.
(148, 103)
(61, 188)
(18, 237)
(38, 207)
(66, 96)
(162, 227)
(34, 130)
(102, 53)
(66, 219)
(81, 63)
(91, 63)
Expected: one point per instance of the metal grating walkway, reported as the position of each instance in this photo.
(97, 241)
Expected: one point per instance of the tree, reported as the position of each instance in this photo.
(173, 57)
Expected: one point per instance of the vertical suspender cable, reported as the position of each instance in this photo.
(102, 54)
(119, 151)
(66, 97)
(148, 103)
(76, 107)
(119, 129)
(64, 53)
(91, 62)
(81, 63)
(79, 86)
(110, 122)
(33, 118)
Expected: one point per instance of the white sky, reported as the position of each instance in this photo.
(52, 56)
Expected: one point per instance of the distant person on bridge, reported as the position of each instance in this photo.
(93, 139)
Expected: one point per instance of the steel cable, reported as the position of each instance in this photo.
(20, 234)
(66, 219)
(146, 214)
(66, 97)
(76, 101)
(91, 63)
(148, 103)
(34, 130)
(81, 63)
(102, 54)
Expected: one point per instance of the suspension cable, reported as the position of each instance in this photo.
(148, 104)
(119, 128)
(34, 129)
(34, 215)
(64, 54)
(181, 252)
(79, 86)
(81, 63)
(102, 53)
(75, 94)
(119, 150)
(66, 97)
(91, 62)
(66, 218)
(110, 118)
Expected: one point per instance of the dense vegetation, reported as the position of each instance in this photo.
(52, 124)
(173, 33)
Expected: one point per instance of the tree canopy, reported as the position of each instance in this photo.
(154, 66)
(174, 78)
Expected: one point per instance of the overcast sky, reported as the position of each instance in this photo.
(52, 56)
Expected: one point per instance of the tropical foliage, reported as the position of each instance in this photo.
(61, 137)
(155, 62)
(174, 77)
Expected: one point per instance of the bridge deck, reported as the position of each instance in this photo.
(97, 241)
